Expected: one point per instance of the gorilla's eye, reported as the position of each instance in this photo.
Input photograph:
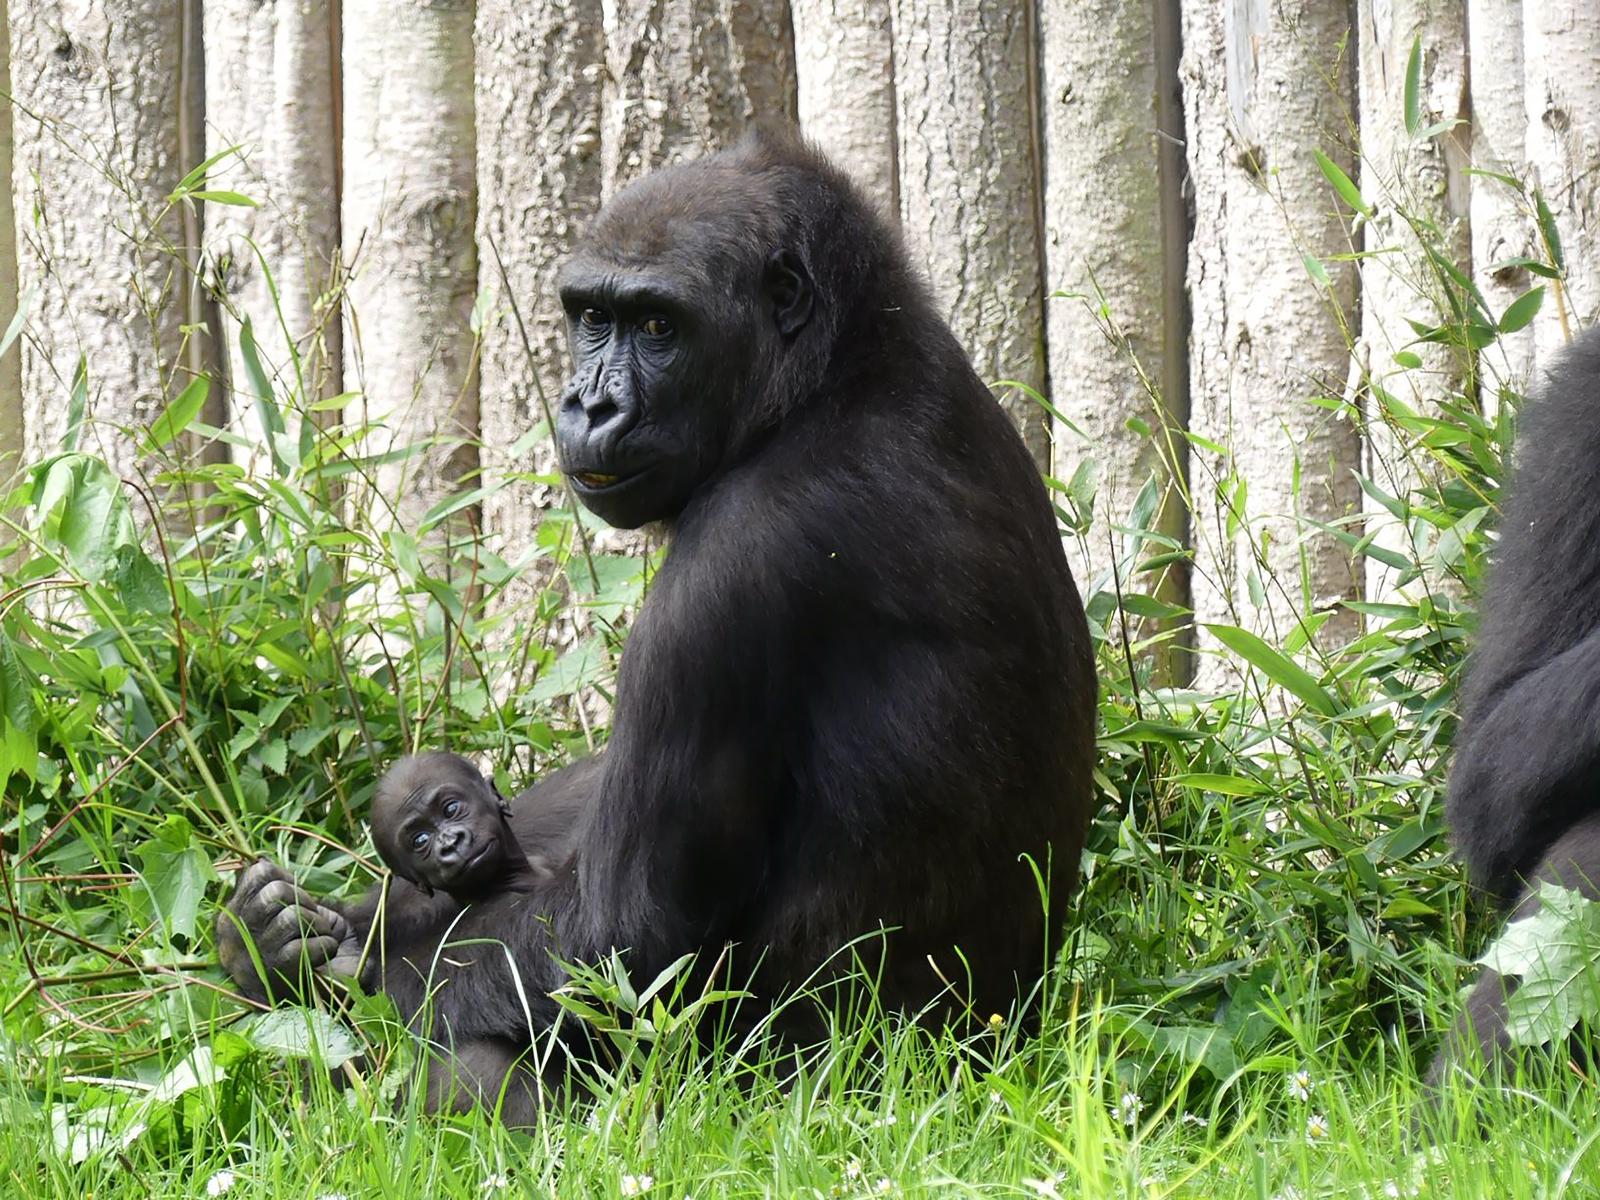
(452, 807)
(419, 841)
(595, 318)
(657, 327)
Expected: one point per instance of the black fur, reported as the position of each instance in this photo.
(1524, 795)
(861, 691)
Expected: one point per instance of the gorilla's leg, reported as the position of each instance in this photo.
(490, 1074)
(1478, 1041)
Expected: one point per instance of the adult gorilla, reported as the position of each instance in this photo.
(861, 691)
(1524, 799)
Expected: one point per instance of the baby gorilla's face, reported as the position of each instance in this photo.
(440, 824)
(456, 844)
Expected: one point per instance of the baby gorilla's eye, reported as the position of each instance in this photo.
(452, 807)
(657, 327)
(419, 840)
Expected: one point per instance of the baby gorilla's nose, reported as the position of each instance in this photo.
(449, 843)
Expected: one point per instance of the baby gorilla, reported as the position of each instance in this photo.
(439, 824)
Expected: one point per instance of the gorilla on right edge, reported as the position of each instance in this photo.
(1524, 792)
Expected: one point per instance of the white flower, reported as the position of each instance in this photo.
(1128, 1108)
(1300, 1085)
(220, 1182)
(996, 1099)
(637, 1185)
(852, 1169)
(883, 1187)
(885, 1122)
(333, 1196)
(498, 1182)
(1316, 1127)
(1196, 1120)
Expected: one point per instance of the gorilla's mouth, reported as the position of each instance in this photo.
(593, 482)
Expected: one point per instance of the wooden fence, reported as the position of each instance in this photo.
(1119, 203)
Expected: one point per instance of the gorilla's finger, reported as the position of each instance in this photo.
(252, 879)
(316, 952)
(282, 894)
(292, 933)
(347, 962)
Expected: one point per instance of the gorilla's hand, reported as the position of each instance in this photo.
(293, 934)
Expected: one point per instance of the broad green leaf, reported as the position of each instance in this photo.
(1226, 785)
(1137, 605)
(16, 689)
(1413, 89)
(1548, 231)
(83, 509)
(19, 718)
(77, 404)
(24, 307)
(1555, 954)
(581, 665)
(274, 755)
(176, 870)
(198, 173)
(225, 197)
(267, 409)
(301, 1033)
(140, 584)
(1396, 508)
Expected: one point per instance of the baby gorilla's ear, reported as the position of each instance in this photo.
(505, 809)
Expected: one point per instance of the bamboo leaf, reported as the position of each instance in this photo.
(1347, 190)
(1276, 667)
(1522, 310)
(175, 418)
(1413, 98)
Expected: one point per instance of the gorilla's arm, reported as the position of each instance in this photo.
(1528, 764)
(675, 839)
(1527, 759)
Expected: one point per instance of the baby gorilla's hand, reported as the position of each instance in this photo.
(292, 933)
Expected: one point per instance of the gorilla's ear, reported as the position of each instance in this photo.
(505, 809)
(788, 283)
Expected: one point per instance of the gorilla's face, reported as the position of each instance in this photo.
(643, 418)
(682, 304)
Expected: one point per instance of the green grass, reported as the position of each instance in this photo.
(920, 1115)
